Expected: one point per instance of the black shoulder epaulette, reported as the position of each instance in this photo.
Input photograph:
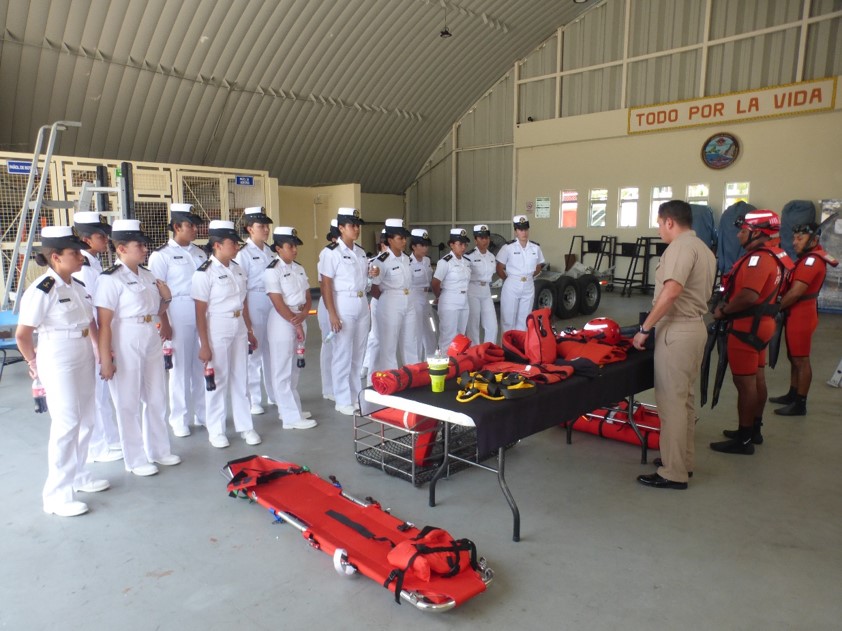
(471, 251)
(143, 267)
(86, 261)
(273, 264)
(332, 246)
(235, 263)
(78, 281)
(447, 257)
(111, 269)
(161, 247)
(47, 284)
(383, 256)
(204, 266)
(536, 243)
(510, 242)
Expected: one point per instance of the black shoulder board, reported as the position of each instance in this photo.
(510, 242)
(86, 261)
(242, 247)
(471, 251)
(161, 247)
(273, 264)
(143, 267)
(204, 266)
(78, 281)
(536, 243)
(447, 257)
(235, 263)
(332, 246)
(47, 284)
(111, 269)
(383, 256)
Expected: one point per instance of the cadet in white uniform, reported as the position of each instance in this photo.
(129, 301)
(372, 344)
(93, 229)
(480, 304)
(396, 315)
(289, 291)
(174, 263)
(222, 319)
(254, 257)
(518, 263)
(450, 285)
(422, 274)
(60, 309)
(326, 354)
(344, 280)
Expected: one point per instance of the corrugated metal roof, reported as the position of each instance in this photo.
(313, 92)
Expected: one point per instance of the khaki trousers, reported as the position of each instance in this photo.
(679, 346)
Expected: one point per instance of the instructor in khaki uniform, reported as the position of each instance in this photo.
(683, 282)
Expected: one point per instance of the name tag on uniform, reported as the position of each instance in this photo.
(287, 274)
(178, 257)
(255, 258)
(346, 257)
(753, 261)
(810, 260)
(132, 282)
(223, 276)
(64, 299)
(394, 268)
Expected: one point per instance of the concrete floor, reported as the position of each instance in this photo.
(753, 544)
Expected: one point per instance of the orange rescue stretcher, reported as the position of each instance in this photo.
(425, 567)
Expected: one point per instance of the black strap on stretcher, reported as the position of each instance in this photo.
(357, 527)
(243, 478)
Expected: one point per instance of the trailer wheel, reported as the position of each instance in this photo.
(545, 295)
(591, 293)
(569, 300)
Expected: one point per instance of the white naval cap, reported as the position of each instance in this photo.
(521, 222)
(128, 230)
(286, 234)
(458, 234)
(349, 215)
(61, 237)
(256, 214)
(481, 230)
(223, 229)
(90, 222)
(394, 227)
(420, 235)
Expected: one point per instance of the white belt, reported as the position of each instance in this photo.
(481, 283)
(62, 334)
(227, 314)
(421, 290)
(142, 319)
(352, 294)
(404, 292)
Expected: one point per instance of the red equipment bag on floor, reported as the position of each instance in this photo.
(360, 535)
(613, 423)
(426, 438)
(536, 345)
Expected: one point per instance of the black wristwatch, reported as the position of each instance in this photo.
(644, 331)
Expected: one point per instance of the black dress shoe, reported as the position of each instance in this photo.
(660, 463)
(756, 437)
(734, 446)
(796, 408)
(656, 481)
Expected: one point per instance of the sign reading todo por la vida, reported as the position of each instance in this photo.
(787, 100)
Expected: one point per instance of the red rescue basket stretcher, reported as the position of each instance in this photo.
(643, 428)
(424, 567)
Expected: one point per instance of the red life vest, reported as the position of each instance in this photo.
(537, 345)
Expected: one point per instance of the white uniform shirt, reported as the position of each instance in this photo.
(223, 288)
(175, 265)
(395, 272)
(289, 280)
(50, 304)
(91, 269)
(422, 273)
(127, 294)
(483, 266)
(348, 268)
(520, 261)
(454, 274)
(253, 262)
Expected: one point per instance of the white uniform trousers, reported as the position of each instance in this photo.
(65, 371)
(349, 346)
(372, 345)
(104, 432)
(260, 370)
(453, 318)
(326, 354)
(229, 345)
(516, 300)
(396, 329)
(186, 377)
(425, 336)
(481, 314)
(137, 389)
(285, 371)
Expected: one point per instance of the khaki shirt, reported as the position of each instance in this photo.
(689, 262)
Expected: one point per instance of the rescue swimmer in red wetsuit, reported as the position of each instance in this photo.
(800, 307)
(752, 288)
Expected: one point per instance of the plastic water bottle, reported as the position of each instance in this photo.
(39, 395)
(167, 349)
(299, 352)
(331, 334)
(210, 379)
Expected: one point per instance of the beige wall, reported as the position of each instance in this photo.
(783, 159)
(376, 209)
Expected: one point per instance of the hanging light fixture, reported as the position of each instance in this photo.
(445, 32)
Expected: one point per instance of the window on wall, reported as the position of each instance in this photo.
(597, 207)
(698, 194)
(660, 194)
(736, 192)
(627, 217)
(568, 208)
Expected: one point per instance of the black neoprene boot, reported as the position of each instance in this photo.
(796, 408)
(756, 435)
(740, 445)
(784, 399)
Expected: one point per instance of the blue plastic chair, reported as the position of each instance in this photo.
(8, 320)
